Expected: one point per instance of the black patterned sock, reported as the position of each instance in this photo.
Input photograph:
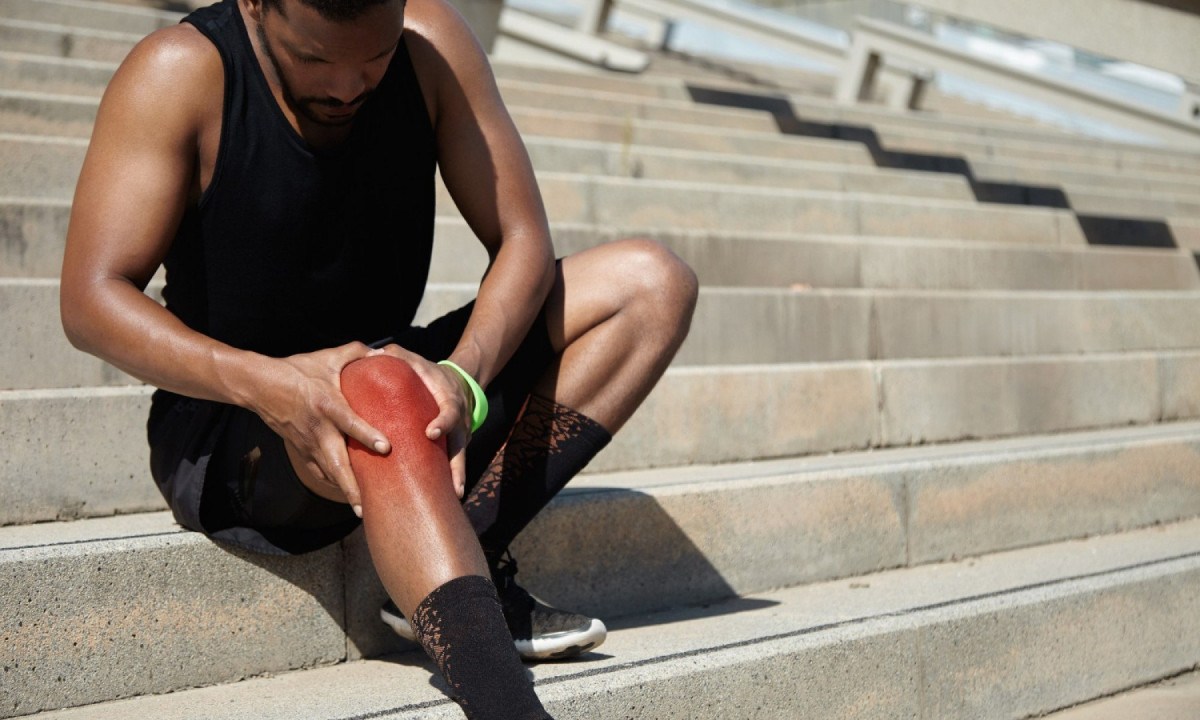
(548, 445)
(461, 627)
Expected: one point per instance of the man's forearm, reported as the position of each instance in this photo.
(511, 296)
(115, 321)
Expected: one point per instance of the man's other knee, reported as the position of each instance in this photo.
(661, 277)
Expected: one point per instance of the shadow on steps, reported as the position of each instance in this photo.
(1098, 229)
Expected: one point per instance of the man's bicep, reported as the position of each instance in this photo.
(480, 153)
(138, 172)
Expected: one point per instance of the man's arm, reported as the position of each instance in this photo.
(488, 173)
(142, 169)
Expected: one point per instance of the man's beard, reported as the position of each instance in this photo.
(307, 105)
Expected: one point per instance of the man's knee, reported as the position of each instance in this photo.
(387, 393)
(661, 275)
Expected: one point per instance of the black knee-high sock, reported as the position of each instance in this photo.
(461, 627)
(548, 445)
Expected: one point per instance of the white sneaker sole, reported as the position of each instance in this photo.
(549, 647)
(563, 645)
(398, 625)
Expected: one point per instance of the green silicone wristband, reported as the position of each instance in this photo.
(481, 403)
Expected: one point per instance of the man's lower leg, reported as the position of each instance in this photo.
(548, 445)
(425, 550)
(461, 627)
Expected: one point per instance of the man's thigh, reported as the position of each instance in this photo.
(224, 473)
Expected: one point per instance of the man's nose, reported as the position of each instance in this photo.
(348, 87)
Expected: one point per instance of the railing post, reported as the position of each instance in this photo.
(911, 93)
(857, 80)
(594, 20)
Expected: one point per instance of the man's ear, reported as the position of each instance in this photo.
(254, 9)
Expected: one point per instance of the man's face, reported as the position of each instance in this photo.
(328, 68)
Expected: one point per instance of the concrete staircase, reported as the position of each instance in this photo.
(922, 455)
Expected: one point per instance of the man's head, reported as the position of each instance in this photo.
(328, 55)
(335, 10)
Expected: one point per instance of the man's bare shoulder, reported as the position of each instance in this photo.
(444, 51)
(435, 23)
(175, 71)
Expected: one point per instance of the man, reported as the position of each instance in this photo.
(278, 156)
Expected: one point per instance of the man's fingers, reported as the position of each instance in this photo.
(395, 351)
(458, 464)
(443, 424)
(337, 467)
(352, 425)
(353, 351)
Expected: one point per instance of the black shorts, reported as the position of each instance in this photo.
(226, 474)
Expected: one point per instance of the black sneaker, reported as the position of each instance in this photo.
(540, 632)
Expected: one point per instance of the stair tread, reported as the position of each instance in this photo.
(135, 526)
(684, 639)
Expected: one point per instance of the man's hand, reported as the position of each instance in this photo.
(455, 405)
(302, 402)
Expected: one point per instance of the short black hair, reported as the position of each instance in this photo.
(336, 10)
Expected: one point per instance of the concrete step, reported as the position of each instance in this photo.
(32, 233)
(40, 165)
(566, 99)
(1039, 174)
(1115, 203)
(43, 73)
(1176, 698)
(819, 108)
(66, 115)
(1186, 232)
(1180, 188)
(1087, 618)
(928, 137)
(713, 414)
(678, 205)
(822, 109)
(672, 65)
(47, 166)
(91, 15)
(1170, 195)
(916, 134)
(674, 206)
(66, 41)
(543, 120)
(759, 326)
(936, 140)
(72, 40)
(801, 261)
(1073, 173)
(745, 326)
(89, 77)
(37, 113)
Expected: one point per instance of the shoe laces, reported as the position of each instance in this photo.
(512, 595)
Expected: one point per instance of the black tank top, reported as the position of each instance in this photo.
(291, 249)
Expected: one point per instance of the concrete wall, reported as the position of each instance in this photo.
(1152, 34)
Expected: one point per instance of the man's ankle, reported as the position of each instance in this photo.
(461, 627)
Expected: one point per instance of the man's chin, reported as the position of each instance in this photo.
(330, 118)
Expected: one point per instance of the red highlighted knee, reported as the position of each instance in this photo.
(387, 393)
